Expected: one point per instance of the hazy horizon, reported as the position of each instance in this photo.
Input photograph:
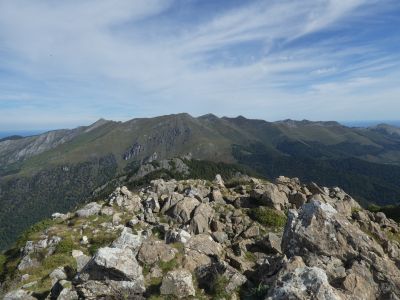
(357, 123)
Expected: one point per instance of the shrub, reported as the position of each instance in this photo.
(268, 216)
(65, 246)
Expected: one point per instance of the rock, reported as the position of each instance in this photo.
(125, 199)
(81, 259)
(110, 270)
(219, 181)
(107, 211)
(272, 243)
(297, 199)
(161, 187)
(84, 240)
(152, 252)
(217, 197)
(208, 275)
(177, 236)
(68, 294)
(304, 283)
(203, 243)
(171, 201)
(128, 240)
(18, 295)
(201, 218)
(178, 283)
(60, 216)
(90, 209)
(182, 211)
(220, 236)
(57, 274)
(270, 195)
(251, 232)
(27, 262)
(319, 231)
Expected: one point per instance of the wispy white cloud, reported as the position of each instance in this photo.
(114, 58)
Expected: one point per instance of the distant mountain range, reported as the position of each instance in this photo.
(55, 170)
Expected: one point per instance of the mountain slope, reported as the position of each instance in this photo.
(58, 169)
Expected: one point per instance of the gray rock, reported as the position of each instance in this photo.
(152, 252)
(270, 195)
(304, 283)
(111, 270)
(177, 236)
(272, 243)
(201, 218)
(178, 283)
(18, 295)
(128, 240)
(90, 209)
(182, 211)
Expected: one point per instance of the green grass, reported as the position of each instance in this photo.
(3, 259)
(268, 216)
(66, 246)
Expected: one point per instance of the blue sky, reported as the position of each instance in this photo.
(68, 63)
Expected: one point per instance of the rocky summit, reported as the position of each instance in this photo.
(195, 239)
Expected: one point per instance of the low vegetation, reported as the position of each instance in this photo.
(268, 216)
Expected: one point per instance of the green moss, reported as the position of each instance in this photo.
(268, 216)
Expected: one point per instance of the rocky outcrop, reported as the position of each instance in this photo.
(193, 238)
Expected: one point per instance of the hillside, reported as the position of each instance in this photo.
(57, 170)
(244, 238)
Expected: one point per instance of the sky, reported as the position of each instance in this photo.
(68, 63)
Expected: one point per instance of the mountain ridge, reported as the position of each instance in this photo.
(364, 161)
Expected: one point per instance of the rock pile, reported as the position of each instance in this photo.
(195, 238)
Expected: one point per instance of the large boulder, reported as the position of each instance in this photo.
(182, 211)
(90, 209)
(304, 283)
(152, 252)
(270, 195)
(327, 240)
(18, 295)
(201, 220)
(128, 240)
(111, 271)
(178, 283)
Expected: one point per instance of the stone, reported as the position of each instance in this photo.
(182, 211)
(251, 232)
(107, 211)
(271, 243)
(217, 197)
(219, 181)
(203, 243)
(270, 195)
(152, 252)
(177, 236)
(18, 295)
(128, 240)
(178, 283)
(220, 236)
(297, 199)
(56, 216)
(90, 209)
(57, 274)
(202, 217)
(111, 269)
(302, 283)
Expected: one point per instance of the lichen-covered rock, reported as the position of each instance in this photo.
(90, 209)
(152, 252)
(178, 283)
(270, 195)
(182, 211)
(111, 269)
(19, 295)
(202, 217)
(128, 240)
(304, 283)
